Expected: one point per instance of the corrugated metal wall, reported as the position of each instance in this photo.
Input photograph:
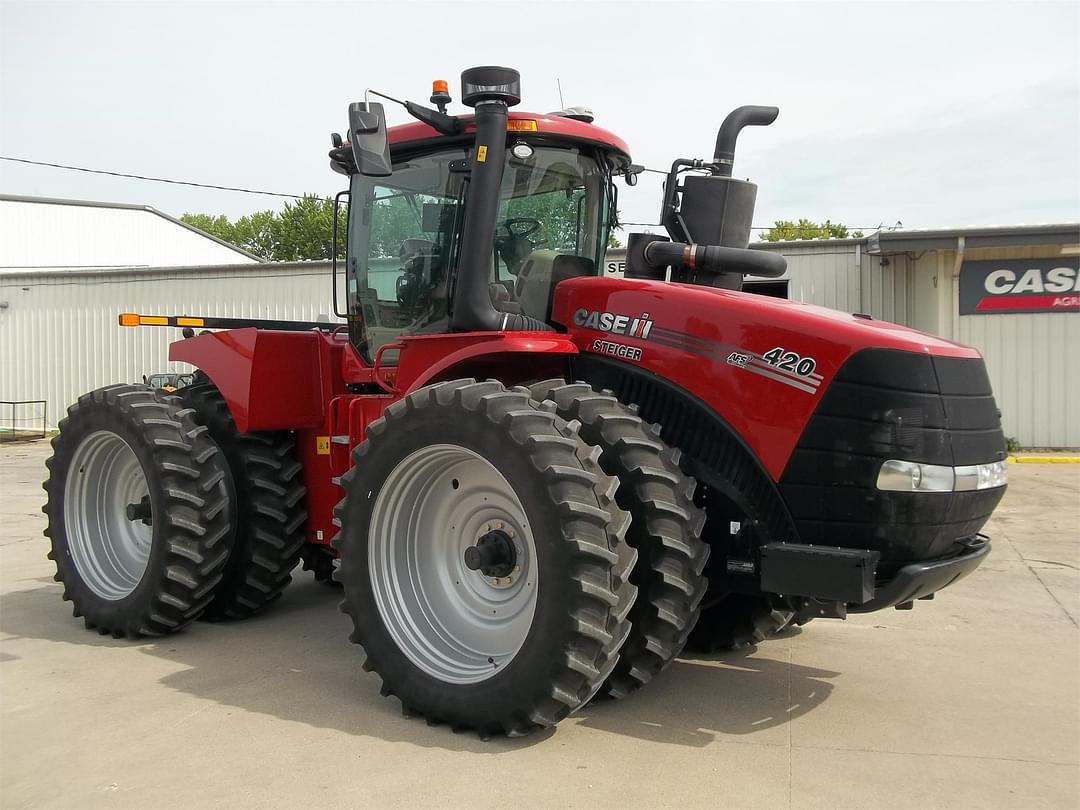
(59, 336)
(1032, 358)
(843, 276)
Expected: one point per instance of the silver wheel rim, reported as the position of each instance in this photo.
(457, 625)
(109, 550)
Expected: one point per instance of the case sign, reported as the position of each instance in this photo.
(1020, 285)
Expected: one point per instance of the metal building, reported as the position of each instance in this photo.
(59, 336)
(39, 233)
(66, 266)
(1011, 292)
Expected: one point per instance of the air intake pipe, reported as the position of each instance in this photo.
(715, 209)
(491, 91)
(706, 261)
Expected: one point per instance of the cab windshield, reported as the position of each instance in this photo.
(405, 229)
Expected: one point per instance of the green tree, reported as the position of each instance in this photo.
(301, 230)
(784, 230)
(254, 233)
(218, 226)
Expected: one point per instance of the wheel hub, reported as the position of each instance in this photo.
(494, 555)
(107, 515)
(140, 511)
(452, 563)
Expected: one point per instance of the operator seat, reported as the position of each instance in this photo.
(540, 273)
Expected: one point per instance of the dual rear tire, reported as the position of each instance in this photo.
(665, 527)
(160, 512)
(138, 511)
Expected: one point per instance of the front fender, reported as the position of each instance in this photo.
(511, 357)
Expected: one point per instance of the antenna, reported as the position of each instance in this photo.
(559, 83)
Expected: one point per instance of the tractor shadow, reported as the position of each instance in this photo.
(295, 664)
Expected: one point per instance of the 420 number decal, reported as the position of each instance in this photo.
(790, 361)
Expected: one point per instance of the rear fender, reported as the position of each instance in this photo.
(271, 380)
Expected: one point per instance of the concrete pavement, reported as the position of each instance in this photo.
(972, 700)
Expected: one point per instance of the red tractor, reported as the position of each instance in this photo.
(533, 483)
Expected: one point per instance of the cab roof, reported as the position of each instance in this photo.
(417, 132)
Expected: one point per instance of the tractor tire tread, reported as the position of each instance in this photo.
(601, 593)
(186, 475)
(665, 528)
(270, 514)
(736, 621)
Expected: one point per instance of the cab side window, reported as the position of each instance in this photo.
(401, 237)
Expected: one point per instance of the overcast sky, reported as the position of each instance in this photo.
(935, 114)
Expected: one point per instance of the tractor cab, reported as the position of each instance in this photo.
(548, 208)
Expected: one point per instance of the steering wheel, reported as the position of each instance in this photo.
(521, 227)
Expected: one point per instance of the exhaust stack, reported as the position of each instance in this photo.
(715, 209)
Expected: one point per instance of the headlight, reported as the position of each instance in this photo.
(911, 476)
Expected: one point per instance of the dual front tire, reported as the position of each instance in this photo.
(483, 559)
(599, 575)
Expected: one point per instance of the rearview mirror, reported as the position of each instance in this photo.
(367, 136)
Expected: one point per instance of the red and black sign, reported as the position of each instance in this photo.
(1020, 285)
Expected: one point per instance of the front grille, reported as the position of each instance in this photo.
(886, 404)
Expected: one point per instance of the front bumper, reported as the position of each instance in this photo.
(919, 580)
(848, 578)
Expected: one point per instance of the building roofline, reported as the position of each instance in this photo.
(315, 267)
(125, 207)
(790, 243)
(974, 237)
(915, 239)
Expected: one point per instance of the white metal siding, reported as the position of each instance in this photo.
(1032, 358)
(59, 336)
(826, 275)
(843, 276)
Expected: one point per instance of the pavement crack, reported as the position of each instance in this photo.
(1046, 588)
(1035, 574)
(1064, 609)
(1054, 562)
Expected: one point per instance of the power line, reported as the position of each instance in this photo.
(760, 227)
(151, 179)
(300, 196)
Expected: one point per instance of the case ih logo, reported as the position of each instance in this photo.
(614, 323)
(1020, 285)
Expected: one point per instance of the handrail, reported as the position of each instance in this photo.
(12, 435)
